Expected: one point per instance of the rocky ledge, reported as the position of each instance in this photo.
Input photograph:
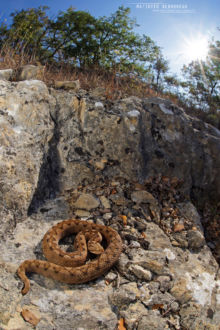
(166, 277)
(135, 165)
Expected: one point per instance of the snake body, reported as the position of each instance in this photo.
(68, 267)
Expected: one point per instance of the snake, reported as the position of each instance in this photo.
(72, 267)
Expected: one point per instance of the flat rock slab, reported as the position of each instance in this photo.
(86, 202)
(63, 306)
(146, 283)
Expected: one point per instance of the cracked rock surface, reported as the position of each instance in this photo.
(155, 283)
(134, 165)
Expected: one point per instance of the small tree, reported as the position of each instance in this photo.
(160, 67)
(202, 80)
(72, 36)
(80, 39)
(172, 84)
(27, 31)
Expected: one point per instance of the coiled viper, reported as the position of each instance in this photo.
(68, 267)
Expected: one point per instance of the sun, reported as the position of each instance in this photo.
(195, 48)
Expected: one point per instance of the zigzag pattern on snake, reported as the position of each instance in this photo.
(68, 267)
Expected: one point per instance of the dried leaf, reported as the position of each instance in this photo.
(153, 213)
(139, 186)
(121, 324)
(113, 192)
(124, 219)
(165, 179)
(157, 306)
(174, 182)
(178, 227)
(30, 317)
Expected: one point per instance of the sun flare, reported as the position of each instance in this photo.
(195, 48)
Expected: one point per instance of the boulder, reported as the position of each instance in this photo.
(137, 138)
(6, 74)
(26, 129)
(29, 72)
(68, 85)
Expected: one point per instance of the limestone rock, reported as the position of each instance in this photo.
(132, 121)
(181, 238)
(107, 216)
(140, 272)
(188, 210)
(118, 199)
(6, 74)
(127, 294)
(165, 300)
(157, 239)
(67, 85)
(99, 105)
(153, 261)
(194, 317)
(181, 292)
(29, 72)
(98, 92)
(105, 202)
(195, 239)
(141, 196)
(86, 202)
(156, 146)
(165, 283)
(26, 130)
(52, 144)
(82, 214)
(152, 321)
(133, 314)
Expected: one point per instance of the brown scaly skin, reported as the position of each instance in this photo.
(67, 267)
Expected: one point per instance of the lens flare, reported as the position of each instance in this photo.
(195, 48)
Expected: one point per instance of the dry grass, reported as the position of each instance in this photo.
(115, 87)
(12, 59)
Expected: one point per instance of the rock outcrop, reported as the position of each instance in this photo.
(134, 164)
(26, 132)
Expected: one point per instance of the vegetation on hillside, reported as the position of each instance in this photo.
(106, 52)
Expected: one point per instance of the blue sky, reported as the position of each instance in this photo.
(169, 28)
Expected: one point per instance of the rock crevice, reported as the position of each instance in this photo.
(48, 181)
